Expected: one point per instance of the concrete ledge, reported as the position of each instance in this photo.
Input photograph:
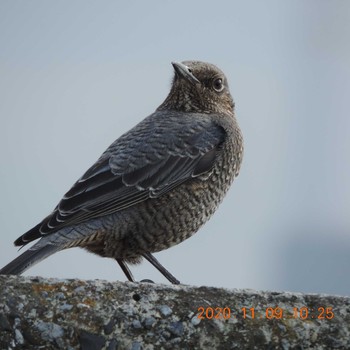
(75, 314)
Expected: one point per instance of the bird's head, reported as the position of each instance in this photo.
(198, 87)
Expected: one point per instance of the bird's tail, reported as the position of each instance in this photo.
(28, 258)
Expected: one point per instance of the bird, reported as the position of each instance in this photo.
(153, 187)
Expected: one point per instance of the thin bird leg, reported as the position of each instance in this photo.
(160, 268)
(126, 270)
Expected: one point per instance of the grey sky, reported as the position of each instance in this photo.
(76, 75)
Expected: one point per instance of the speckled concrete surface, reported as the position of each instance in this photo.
(38, 313)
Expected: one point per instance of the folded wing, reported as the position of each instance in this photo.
(141, 165)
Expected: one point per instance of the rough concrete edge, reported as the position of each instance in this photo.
(72, 314)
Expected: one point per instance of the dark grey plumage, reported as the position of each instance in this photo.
(156, 185)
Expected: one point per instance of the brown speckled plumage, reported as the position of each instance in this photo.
(156, 185)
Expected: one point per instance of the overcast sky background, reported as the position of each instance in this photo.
(75, 75)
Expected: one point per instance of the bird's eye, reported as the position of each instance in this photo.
(218, 85)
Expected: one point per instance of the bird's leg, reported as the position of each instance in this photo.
(160, 268)
(126, 270)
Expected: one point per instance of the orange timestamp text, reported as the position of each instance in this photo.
(303, 313)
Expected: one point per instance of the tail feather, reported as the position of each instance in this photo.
(27, 259)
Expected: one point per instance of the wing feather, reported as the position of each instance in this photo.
(136, 168)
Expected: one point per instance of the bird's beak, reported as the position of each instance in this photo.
(185, 72)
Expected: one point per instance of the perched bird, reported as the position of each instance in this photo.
(156, 185)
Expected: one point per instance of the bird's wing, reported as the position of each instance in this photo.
(147, 162)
